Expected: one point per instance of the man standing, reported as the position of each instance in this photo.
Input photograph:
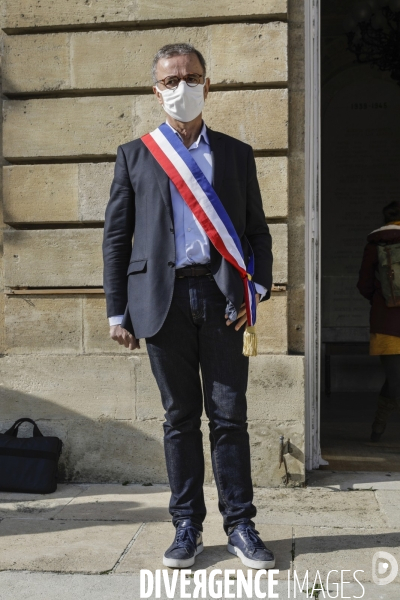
(176, 290)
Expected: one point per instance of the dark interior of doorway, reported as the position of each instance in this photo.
(360, 156)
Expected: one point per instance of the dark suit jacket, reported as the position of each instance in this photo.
(139, 277)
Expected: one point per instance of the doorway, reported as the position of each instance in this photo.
(353, 155)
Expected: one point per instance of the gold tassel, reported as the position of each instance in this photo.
(250, 342)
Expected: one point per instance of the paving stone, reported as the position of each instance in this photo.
(389, 502)
(30, 586)
(326, 548)
(63, 546)
(114, 502)
(322, 508)
(215, 554)
(357, 480)
(23, 506)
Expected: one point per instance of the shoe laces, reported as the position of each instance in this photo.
(253, 539)
(186, 536)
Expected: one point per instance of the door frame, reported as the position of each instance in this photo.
(312, 232)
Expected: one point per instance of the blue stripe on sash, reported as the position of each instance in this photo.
(184, 153)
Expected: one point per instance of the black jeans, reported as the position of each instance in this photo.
(195, 335)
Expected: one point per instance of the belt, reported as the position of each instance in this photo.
(192, 271)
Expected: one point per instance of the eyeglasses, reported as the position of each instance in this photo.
(172, 82)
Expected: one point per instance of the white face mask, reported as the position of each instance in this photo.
(185, 103)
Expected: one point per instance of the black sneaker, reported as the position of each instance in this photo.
(188, 543)
(248, 546)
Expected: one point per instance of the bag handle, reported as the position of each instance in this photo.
(14, 428)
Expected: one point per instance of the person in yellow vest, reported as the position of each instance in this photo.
(379, 282)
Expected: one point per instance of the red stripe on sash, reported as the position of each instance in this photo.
(193, 203)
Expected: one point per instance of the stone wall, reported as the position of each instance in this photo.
(76, 84)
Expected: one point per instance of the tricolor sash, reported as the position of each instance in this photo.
(176, 160)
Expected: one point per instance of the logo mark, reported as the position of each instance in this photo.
(380, 565)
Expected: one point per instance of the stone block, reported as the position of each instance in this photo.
(95, 126)
(280, 252)
(297, 123)
(40, 193)
(276, 388)
(109, 450)
(87, 126)
(209, 9)
(45, 545)
(96, 329)
(79, 192)
(60, 324)
(123, 59)
(36, 63)
(94, 182)
(23, 14)
(296, 318)
(67, 387)
(272, 325)
(259, 53)
(148, 402)
(53, 258)
(261, 117)
(264, 448)
(57, 193)
(36, 324)
(296, 64)
(272, 174)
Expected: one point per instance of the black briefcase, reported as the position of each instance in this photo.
(28, 464)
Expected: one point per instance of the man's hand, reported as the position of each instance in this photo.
(123, 337)
(241, 318)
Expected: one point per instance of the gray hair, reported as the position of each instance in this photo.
(175, 50)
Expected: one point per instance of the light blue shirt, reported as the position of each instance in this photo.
(191, 242)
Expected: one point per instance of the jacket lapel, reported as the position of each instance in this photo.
(163, 182)
(217, 145)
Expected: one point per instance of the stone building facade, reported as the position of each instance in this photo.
(76, 84)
